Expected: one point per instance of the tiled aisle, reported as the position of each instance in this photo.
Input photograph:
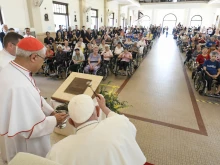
(170, 130)
(164, 114)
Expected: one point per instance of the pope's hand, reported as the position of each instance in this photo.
(102, 104)
(60, 117)
(101, 101)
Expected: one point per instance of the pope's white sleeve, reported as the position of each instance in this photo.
(47, 109)
(111, 114)
(132, 128)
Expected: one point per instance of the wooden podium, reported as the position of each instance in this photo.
(75, 84)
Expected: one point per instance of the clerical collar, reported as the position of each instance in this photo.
(85, 125)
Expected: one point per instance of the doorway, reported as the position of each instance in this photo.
(169, 21)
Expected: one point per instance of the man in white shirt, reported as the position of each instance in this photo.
(28, 33)
(8, 53)
(108, 142)
(26, 119)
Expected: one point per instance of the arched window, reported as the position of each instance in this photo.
(169, 20)
(196, 21)
(144, 21)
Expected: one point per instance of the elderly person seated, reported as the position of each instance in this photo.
(211, 43)
(107, 54)
(94, 61)
(94, 43)
(108, 40)
(201, 58)
(59, 58)
(128, 42)
(102, 45)
(82, 43)
(141, 44)
(111, 141)
(118, 50)
(80, 46)
(77, 59)
(49, 52)
(190, 53)
(59, 39)
(125, 57)
(134, 50)
(212, 70)
(149, 36)
(66, 47)
(89, 48)
(98, 40)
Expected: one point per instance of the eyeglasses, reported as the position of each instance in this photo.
(41, 57)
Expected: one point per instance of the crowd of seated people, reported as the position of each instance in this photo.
(95, 45)
(202, 48)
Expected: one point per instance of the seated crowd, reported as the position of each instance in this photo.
(104, 45)
(202, 49)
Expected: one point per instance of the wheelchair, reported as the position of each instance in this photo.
(137, 59)
(104, 69)
(200, 83)
(129, 69)
(191, 64)
(46, 66)
(80, 68)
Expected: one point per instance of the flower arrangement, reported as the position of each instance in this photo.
(111, 97)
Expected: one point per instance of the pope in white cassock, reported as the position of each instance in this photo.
(109, 142)
(26, 119)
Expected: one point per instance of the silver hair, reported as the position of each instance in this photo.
(214, 53)
(24, 53)
(59, 46)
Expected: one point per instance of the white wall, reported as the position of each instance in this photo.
(15, 13)
(46, 8)
(113, 6)
(125, 10)
(95, 5)
(183, 11)
(207, 14)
